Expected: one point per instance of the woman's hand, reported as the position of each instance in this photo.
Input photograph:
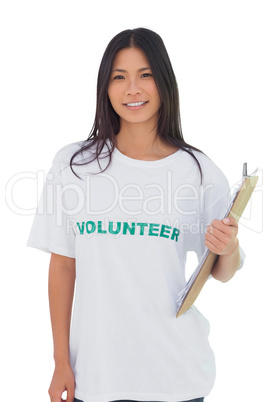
(221, 238)
(62, 380)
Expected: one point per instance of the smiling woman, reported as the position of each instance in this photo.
(140, 205)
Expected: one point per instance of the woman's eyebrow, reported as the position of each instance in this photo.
(125, 71)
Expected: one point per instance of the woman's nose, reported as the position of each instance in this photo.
(133, 88)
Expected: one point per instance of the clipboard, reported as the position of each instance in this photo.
(193, 287)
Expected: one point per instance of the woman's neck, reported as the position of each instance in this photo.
(141, 142)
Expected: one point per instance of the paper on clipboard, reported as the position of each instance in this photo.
(194, 285)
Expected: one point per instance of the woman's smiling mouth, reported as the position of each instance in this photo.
(135, 105)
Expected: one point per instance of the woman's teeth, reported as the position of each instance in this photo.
(136, 104)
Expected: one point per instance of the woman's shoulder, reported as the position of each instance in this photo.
(210, 170)
(64, 154)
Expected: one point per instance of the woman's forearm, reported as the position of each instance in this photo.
(221, 239)
(61, 284)
(227, 265)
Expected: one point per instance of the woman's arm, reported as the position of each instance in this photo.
(61, 290)
(221, 239)
(61, 284)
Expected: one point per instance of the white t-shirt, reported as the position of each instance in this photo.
(129, 229)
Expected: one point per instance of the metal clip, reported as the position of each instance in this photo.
(245, 170)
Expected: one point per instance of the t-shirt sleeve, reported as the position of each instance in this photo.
(215, 200)
(51, 230)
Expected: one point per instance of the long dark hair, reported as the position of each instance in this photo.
(107, 122)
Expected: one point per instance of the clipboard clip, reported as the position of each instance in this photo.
(245, 171)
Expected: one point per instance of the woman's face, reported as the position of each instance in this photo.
(132, 90)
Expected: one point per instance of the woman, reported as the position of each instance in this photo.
(118, 214)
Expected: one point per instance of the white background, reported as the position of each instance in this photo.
(50, 53)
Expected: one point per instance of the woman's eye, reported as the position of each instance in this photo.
(146, 75)
(118, 77)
